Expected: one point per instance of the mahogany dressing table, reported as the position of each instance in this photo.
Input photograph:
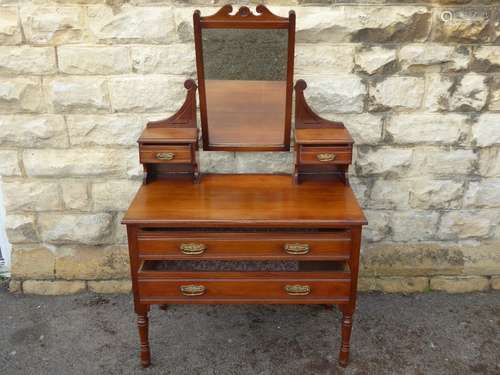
(254, 238)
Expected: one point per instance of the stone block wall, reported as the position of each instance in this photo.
(416, 82)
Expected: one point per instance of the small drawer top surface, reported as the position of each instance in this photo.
(330, 136)
(168, 135)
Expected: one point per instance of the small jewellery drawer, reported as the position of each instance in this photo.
(325, 155)
(230, 245)
(165, 154)
(231, 287)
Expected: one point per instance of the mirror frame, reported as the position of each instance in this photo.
(244, 19)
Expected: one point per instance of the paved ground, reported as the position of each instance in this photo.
(393, 334)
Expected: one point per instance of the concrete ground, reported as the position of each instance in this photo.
(428, 333)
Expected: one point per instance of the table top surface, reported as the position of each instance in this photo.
(230, 200)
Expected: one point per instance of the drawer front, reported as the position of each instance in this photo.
(325, 155)
(165, 154)
(250, 246)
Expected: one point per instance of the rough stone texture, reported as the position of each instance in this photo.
(433, 57)
(75, 194)
(114, 195)
(173, 59)
(31, 196)
(110, 286)
(21, 228)
(488, 58)
(9, 163)
(444, 161)
(470, 94)
(33, 261)
(33, 131)
(495, 283)
(464, 25)
(464, 224)
(489, 162)
(459, 284)
(252, 162)
(53, 288)
(485, 130)
(317, 58)
(389, 93)
(414, 226)
(484, 194)
(94, 60)
(365, 128)
(436, 194)
(385, 161)
(394, 284)
(27, 60)
(10, 32)
(22, 94)
(374, 59)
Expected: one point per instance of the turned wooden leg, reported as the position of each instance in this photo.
(143, 325)
(346, 337)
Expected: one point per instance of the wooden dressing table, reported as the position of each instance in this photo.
(250, 238)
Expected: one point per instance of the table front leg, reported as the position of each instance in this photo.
(347, 312)
(143, 325)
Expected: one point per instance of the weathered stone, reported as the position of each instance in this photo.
(433, 57)
(264, 162)
(114, 195)
(470, 94)
(21, 94)
(427, 128)
(77, 94)
(21, 228)
(31, 196)
(483, 194)
(495, 283)
(414, 225)
(110, 286)
(172, 59)
(362, 24)
(389, 194)
(489, 162)
(15, 286)
(494, 104)
(388, 93)
(378, 225)
(360, 188)
(94, 59)
(32, 261)
(75, 162)
(459, 284)
(146, 93)
(75, 194)
(486, 130)
(10, 32)
(443, 161)
(87, 229)
(52, 25)
(340, 94)
(9, 165)
(320, 58)
(104, 130)
(394, 284)
(383, 161)
(464, 224)
(120, 229)
(90, 263)
(365, 128)
(134, 167)
(461, 24)
(33, 131)
(439, 90)
(487, 58)
(128, 25)
(184, 21)
(374, 59)
(53, 288)
(436, 194)
(217, 162)
(27, 60)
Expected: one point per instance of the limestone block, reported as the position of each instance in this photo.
(54, 287)
(104, 130)
(128, 25)
(465, 224)
(21, 228)
(77, 94)
(134, 167)
(494, 104)
(94, 59)
(114, 195)
(87, 229)
(389, 93)
(10, 32)
(486, 130)
(386, 161)
(439, 91)
(27, 60)
(487, 58)
(340, 94)
(120, 229)
(374, 59)
(459, 284)
(470, 94)
(365, 128)
(217, 162)
(495, 283)
(378, 225)
(32, 261)
(264, 162)
(389, 194)
(463, 25)
(436, 194)
(413, 225)
(360, 188)
(362, 24)
(110, 286)
(146, 93)
(489, 162)
(483, 194)
(21, 94)
(15, 286)
(176, 58)
(31, 196)
(52, 24)
(75, 162)
(75, 194)
(427, 128)
(432, 57)
(394, 284)
(323, 58)
(92, 262)
(33, 131)
(443, 161)
(9, 165)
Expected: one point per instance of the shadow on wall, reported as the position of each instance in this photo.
(4, 243)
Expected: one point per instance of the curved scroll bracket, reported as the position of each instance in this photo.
(224, 16)
(305, 117)
(185, 117)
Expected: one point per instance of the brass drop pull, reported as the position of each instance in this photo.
(297, 248)
(165, 156)
(192, 248)
(192, 290)
(326, 156)
(298, 290)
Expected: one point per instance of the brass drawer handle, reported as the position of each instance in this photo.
(298, 290)
(193, 248)
(297, 248)
(165, 156)
(192, 290)
(326, 157)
